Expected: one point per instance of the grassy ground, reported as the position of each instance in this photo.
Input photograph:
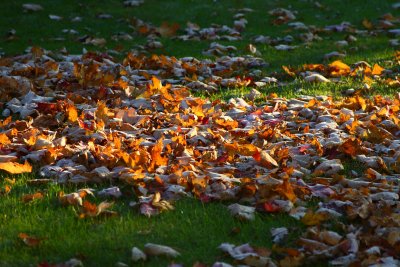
(193, 228)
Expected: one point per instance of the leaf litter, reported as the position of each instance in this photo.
(87, 119)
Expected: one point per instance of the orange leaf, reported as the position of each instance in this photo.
(377, 70)
(5, 190)
(72, 113)
(92, 210)
(313, 102)
(338, 68)
(88, 209)
(228, 124)
(4, 140)
(30, 197)
(286, 190)
(351, 147)
(101, 112)
(156, 158)
(15, 168)
(245, 150)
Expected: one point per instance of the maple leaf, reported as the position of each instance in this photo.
(102, 112)
(72, 113)
(155, 154)
(351, 147)
(4, 140)
(245, 149)
(377, 70)
(15, 168)
(338, 68)
(286, 190)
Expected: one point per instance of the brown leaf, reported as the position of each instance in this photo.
(168, 30)
(286, 190)
(312, 218)
(30, 241)
(30, 197)
(266, 160)
(352, 147)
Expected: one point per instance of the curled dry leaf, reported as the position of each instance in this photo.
(242, 212)
(75, 198)
(279, 234)
(32, 7)
(92, 210)
(137, 255)
(317, 78)
(159, 250)
(246, 255)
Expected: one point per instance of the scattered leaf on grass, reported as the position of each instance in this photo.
(159, 250)
(30, 241)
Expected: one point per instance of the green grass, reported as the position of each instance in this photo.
(35, 28)
(193, 228)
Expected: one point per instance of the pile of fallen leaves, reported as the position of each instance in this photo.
(89, 120)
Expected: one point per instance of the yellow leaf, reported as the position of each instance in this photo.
(312, 219)
(367, 24)
(72, 113)
(245, 150)
(377, 70)
(15, 168)
(338, 68)
(288, 71)
(156, 158)
(102, 112)
(286, 190)
(4, 140)
(368, 80)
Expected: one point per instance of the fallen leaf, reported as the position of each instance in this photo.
(137, 255)
(30, 241)
(242, 212)
(159, 250)
(15, 168)
(30, 197)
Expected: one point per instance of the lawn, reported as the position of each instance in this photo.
(267, 151)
